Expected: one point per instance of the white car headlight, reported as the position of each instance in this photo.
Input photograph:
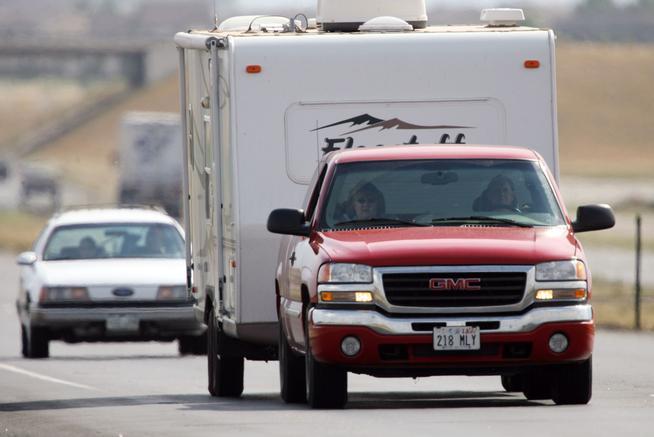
(572, 270)
(63, 294)
(175, 292)
(345, 273)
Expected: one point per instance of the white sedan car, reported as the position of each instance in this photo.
(107, 275)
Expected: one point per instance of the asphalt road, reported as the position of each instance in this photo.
(147, 390)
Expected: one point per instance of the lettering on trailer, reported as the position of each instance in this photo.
(449, 284)
(369, 122)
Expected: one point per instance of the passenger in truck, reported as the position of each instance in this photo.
(364, 203)
(499, 195)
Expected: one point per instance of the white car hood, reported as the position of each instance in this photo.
(119, 272)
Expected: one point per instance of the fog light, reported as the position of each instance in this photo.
(558, 343)
(350, 346)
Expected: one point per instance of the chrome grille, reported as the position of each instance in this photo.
(413, 289)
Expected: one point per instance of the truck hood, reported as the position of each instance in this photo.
(449, 246)
(127, 272)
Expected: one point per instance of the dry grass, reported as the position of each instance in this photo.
(19, 230)
(89, 154)
(614, 305)
(29, 104)
(606, 101)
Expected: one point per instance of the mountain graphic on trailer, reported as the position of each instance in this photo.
(371, 122)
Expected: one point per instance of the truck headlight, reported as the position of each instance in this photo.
(177, 292)
(63, 294)
(572, 270)
(345, 273)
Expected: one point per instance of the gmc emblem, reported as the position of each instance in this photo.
(448, 284)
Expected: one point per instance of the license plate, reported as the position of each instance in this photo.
(457, 338)
(123, 323)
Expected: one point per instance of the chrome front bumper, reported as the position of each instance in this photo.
(71, 316)
(403, 325)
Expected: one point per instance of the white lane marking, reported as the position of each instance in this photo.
(9, 368)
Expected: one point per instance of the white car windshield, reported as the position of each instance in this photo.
(445, 192)
(149, 240)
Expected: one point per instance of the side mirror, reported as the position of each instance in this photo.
(26, 259)
(593, 218)
(288, 222)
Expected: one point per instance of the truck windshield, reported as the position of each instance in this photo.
(152, 240)
(440, 193)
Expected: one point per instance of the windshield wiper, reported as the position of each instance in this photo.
(481, 218)
(379, 221)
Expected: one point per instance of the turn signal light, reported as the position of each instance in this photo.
(346, 296)
(253, 69)
(532, 63)
(562, 294)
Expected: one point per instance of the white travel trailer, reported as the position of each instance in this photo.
(264, 98)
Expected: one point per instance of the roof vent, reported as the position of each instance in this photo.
(254, 23)
(385, 24)
(348, 15)
(502, 17)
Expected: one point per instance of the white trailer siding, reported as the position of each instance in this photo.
(475, 79)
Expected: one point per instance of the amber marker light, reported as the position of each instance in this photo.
(346, 296)
(532, 63)
(253, 69)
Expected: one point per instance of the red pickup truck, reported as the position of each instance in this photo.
(415, 261)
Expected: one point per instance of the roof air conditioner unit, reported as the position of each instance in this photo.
(348, 15)
(502, 17)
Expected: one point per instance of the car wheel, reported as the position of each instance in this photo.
(573, 383)
(291, 372)
(38, 343)
(512, 383)
(326, 385)
(537, 385)
(23, 340)
(225, 371)
(188, 345)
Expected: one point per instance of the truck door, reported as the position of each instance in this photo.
(295, 257)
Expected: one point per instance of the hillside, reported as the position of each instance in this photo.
(606, 102)
(89, 156)
(605, 105)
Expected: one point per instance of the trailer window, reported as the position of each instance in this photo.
(431, 192)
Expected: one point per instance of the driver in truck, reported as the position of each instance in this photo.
(498, 195)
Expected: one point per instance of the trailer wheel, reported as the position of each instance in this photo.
(573, 383)
(192, 345)
(292, 376)
(225, 371)
(326, 385)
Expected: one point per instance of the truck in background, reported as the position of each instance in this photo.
(263, 99)
(150, 171)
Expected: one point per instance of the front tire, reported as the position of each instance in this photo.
(537, 385)
(38, 343)
(292, 376)
(225, 371)
(23, 341)
(512, 383)
(326, 385)
(573, 383)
